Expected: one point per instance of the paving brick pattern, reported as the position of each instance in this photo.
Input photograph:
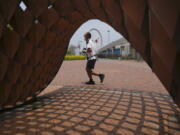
(126, 74)
(75, 110)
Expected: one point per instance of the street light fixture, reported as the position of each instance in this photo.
(108, 36)
(79, 46)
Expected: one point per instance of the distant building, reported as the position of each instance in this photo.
(119, 48)
(72, 50)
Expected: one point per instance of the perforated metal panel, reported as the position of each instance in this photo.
(34, 39)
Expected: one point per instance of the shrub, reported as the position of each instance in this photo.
(74, 57)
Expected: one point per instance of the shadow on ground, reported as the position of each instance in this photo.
(89, 110)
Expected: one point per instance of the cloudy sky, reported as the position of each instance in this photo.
(78, 38)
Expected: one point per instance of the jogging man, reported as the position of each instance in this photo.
(91, 59)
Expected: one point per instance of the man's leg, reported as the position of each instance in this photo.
(93, 63)
(89, 73)
(101, 76)
(89, 69)
(94, 73)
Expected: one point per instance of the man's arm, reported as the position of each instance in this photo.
(89, 50)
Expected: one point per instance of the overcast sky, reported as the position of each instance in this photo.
(78, 38)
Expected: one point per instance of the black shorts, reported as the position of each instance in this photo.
(90, 64)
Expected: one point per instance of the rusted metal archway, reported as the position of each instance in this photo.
(33, 41)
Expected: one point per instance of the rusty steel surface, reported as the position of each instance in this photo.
(33, 42)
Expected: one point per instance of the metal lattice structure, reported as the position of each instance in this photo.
(33, 42)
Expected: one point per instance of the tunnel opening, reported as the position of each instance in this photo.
(105, 42)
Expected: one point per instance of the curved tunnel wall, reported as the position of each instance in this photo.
(33, 42)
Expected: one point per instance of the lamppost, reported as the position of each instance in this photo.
(79, 46)
(108, 36)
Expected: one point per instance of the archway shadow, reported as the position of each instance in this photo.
(94, 110)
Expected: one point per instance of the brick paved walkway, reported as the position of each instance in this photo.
(89, 110)
(129, 75)
(131, 101)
